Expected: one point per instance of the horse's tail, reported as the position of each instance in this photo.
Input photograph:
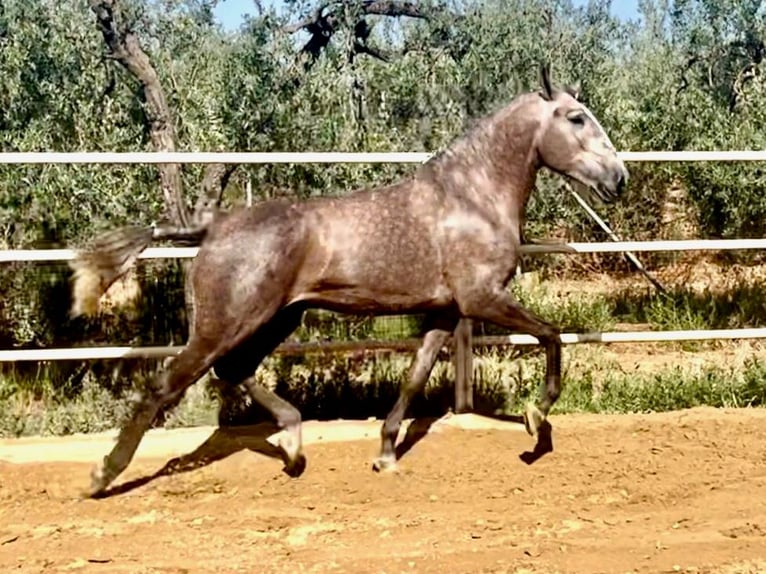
(112, 254)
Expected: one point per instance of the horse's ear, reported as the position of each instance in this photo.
(545, 82)
(574, 91)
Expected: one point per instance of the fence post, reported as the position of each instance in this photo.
(463, 357)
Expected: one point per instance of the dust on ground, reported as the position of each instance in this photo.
(673, 492)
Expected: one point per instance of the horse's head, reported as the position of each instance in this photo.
(572, 142)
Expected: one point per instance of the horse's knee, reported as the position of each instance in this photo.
(163, 395)
(553, 392)
(289, 416)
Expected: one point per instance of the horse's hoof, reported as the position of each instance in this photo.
(533, 419)
(291, 445)
(384, 464)
(295, 467)
(98, 482)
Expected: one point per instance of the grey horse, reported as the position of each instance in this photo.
(443, 243)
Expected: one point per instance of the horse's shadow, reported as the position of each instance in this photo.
(226, 441)
(419, 428)
(544, 443)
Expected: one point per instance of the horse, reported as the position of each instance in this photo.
(443, 243)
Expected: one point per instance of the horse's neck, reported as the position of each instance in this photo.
(494, 170)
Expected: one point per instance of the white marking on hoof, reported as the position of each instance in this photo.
(385, 464)
(292, 444)
(533, 419)
(99, 480)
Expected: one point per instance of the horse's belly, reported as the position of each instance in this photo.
(360, 302)
(372, 260)
(378, 298)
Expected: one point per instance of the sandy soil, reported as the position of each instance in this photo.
(672, 492)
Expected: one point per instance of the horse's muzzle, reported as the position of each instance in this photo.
(613, 188)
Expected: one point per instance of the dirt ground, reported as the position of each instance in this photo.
(676, 492)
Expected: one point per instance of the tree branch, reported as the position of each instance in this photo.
(360, 48)
(313, 19)
(124, 46)
(126, 49)
(323, 24)
(746, 74)
(746, 55)
(214, 182)
(392, 8)
(688, 66)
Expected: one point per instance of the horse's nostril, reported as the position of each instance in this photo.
(621, 181)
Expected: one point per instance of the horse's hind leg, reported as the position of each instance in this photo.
(239, 365)
(420, 369)
(501, 308)
(187, 367)
(287, 417)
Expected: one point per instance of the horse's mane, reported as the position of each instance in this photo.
(477, 137)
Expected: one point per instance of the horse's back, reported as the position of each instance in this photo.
(374, 250)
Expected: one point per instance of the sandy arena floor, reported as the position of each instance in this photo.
(678, 492)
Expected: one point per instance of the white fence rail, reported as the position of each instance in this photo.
(39, 255)
(92, 353)
(47, 158)
(96, 353)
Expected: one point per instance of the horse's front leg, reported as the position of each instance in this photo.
(420, 369)
(499, 307)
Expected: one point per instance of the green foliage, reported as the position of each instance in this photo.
(357, 388)
(318, 325)
(93, 409)
(578, 313)
(672, 389)
(740, 306)
(689, 75)
(246, 90)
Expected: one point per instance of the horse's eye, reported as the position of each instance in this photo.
(577, 118)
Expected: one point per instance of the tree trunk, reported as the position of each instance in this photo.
(125, 48)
